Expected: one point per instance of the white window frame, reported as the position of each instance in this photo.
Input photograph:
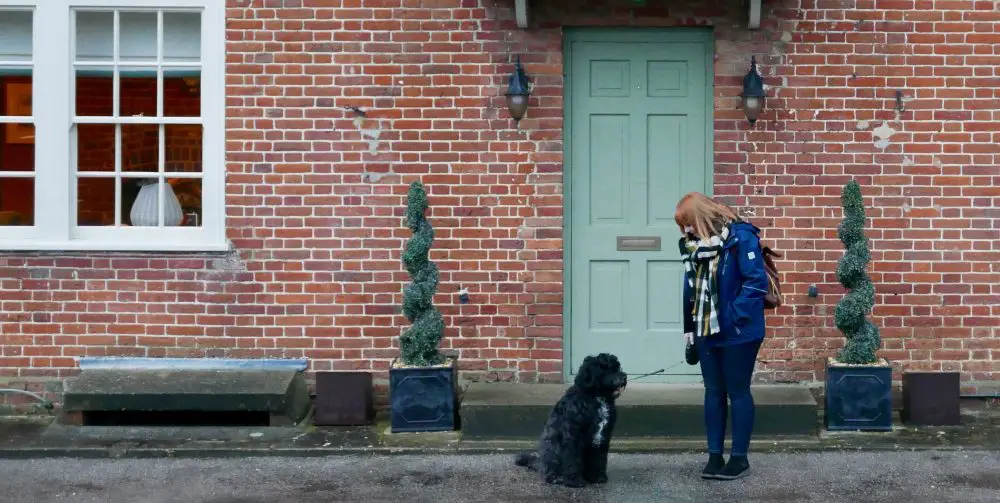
(53, 81)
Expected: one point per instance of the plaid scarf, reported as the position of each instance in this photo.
(701, 265)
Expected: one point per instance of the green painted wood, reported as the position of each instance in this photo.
(638, 134)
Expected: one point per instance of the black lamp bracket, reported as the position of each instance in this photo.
(518, 84)
(753, 84)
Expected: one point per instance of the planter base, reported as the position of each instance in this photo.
(858, 397)
(932, 398)
(423, 398)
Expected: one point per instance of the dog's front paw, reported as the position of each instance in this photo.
(599, 479)
(574, 482)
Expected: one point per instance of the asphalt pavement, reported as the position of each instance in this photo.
(885, 477)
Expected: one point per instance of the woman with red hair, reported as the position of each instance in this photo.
(724, 288)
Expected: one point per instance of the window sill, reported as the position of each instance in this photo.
(112, 246)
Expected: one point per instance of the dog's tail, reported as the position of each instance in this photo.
(528, 460)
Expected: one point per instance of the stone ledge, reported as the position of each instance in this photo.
(516, 410)
(280, 393)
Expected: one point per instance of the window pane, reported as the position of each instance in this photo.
(17, 150)
(137, 36)
(94, 36)
(188, 192)
(95, 147)
(182, 93)
(17, 201)
(95, 201)
(94, 92)
(15, 35)
(137, 94)
(181, 37)
(141, 147)
(140, 201)
(15, 88)
(17, 184)
(183, 145)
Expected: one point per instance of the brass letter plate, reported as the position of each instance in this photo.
(638, 243)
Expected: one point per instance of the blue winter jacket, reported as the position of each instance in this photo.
(742, 286)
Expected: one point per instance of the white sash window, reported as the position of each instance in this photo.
(112, 122)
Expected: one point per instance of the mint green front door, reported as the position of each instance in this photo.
(638, 126)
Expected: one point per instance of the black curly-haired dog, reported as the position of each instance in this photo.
(573, 448)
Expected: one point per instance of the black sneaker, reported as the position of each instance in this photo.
(737, 468)
(715, 465)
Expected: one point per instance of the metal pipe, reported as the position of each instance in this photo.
(46, 404)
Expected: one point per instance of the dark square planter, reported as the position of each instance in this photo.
(423, 398)
(344, 399)
(932, 398)
(858, 397)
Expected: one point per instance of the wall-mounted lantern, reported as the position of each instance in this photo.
(518, 92)
(753, 92)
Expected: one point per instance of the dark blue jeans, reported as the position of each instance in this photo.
(727, 371)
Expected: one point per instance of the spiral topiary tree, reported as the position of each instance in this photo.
(419, 343)
(851, 315)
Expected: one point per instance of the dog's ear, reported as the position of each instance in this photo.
(587, 375)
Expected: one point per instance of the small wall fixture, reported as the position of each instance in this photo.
(518, 92)
(753, 92)
(900, 107)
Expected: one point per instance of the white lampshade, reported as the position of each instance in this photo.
(145, 209)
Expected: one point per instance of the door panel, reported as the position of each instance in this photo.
(609, 181)
(638, 117)
(609, 295)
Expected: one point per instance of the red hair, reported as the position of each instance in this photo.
(703, 214)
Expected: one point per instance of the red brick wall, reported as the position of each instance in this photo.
(314, 208)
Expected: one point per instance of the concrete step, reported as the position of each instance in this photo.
(185, 397)
(516, 410)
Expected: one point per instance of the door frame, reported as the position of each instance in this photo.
(625, 35)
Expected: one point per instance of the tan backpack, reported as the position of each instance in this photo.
(773, 299)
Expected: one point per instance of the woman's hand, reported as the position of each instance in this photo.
(689, 338)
